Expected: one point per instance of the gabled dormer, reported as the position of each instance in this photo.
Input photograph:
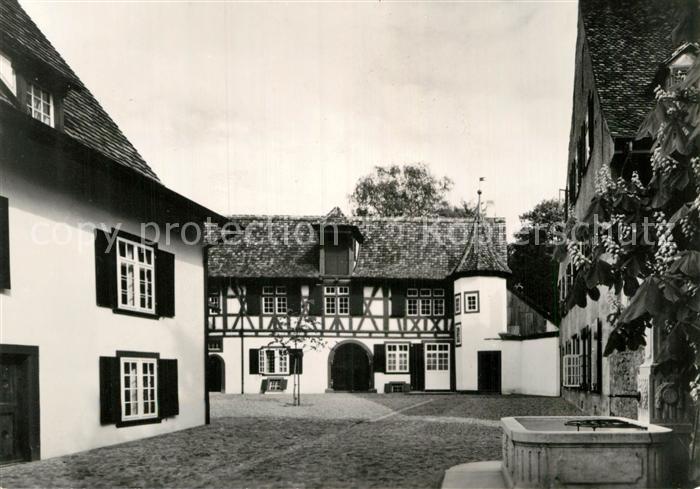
(675, 68)
(32, 90)
(339, 243)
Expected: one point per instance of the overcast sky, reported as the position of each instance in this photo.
(280, 107)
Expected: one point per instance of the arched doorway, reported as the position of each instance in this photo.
(350, 368)
(216, 374)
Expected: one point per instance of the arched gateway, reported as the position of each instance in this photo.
(350, 365)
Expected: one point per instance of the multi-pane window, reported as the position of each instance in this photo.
(471, 302)
(273, 361)
(458, 303)
(437, 356)
(337, 300)
(215, 344)
(139, 387)
(677, 75)
(40, 104)
(458, 335)
(396, 357)
(274, 299)
(425, 302)
(573, 363)
(136, 276)
(274, 385)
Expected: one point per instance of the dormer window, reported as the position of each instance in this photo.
(40, 104)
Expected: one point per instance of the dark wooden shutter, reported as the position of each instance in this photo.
(263, 386)
(316, 296)
(417, 367)
(110, 405)
(252, 299)
(254, 361)
(296, 356)
(4, 244)
(398, 302)
(283, 384)
(379, 358)
(105, 270)
(168, 398)
(294, 298)
(165, 284)
(357, 298)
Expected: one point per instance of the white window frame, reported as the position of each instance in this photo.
(412, 304)
(280, 362)
(140, 391)
(138, 266)
(572, 370)
(395, 355)
(437, 355)
(467, 307)
(426, 307)
(438, 307)
(336, 300)
(425, 302)
(277, 382)
(458, 304)
(36, 93)
(274, 300)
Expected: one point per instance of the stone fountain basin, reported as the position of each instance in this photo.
(542, 451)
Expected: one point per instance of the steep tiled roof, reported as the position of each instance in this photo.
(627, 39)
(393, 248)
(479, 256)
(84, 119)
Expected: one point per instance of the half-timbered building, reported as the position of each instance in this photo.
(102, 326)
(404, 304)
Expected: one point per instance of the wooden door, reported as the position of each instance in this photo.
(350, 370)
(14, 433)
(489, 371)
(215, 374)
(437, 366)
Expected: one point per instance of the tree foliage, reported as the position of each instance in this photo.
(298, 331)
(530, 257)
(408, 191)
(643, 241)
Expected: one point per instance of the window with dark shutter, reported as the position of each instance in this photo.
(379, 358)
(105, 270)
(4, 244)
(316, 298)
(168, 396)
(357, 298)
(296, 356)
(254, 361)
(252, 299)
(165, 284)
(294, 299)
(110, 406)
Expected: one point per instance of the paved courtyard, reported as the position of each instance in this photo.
(332, 440)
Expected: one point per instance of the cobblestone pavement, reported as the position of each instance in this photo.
(332, 440)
